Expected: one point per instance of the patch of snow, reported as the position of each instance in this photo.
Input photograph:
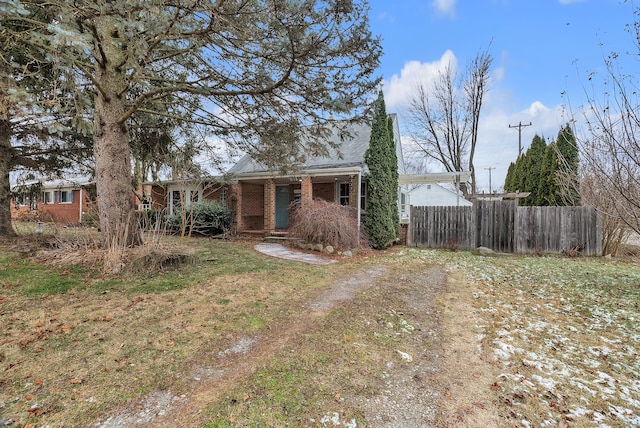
(405, 327)
(547, 383)
(334, 420)
(580, 384)
(242, 346)
(405, 356)
(505, 350)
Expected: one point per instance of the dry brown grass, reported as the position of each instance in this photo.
(467, 375)
(69, 358)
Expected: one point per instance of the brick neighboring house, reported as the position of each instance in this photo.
(260, 199)
(65, 200)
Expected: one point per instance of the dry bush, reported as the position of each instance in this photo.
(153, 258)
(327, 223)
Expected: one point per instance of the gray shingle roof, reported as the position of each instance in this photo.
(351, 149)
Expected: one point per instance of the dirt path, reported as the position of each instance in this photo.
(437, 379)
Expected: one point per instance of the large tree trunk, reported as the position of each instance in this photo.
(6, 229)
(111, 149)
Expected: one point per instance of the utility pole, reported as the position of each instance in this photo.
(490, 168)
(519, 126)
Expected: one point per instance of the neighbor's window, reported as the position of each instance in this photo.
(22, 199)
(223, 194)
(64, 196)
(344, 193)
(46, 197)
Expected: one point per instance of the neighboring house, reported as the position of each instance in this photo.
(260, 199)
(436, 195)
(62, 201)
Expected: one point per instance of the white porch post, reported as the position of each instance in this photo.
(359, 198)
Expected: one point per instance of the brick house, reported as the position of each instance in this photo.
(64, 201)
(260, 199)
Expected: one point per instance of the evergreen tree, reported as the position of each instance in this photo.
(519, 176)
(547, 189)
(548, 172)
(382, 220)
(393, 163)
(568, 187)
(510, 178)
(534, 157)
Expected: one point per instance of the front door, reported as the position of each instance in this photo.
(282, 207)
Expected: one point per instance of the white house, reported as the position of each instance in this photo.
(434, 194)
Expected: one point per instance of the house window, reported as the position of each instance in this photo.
(176, 201)
(186, 197)
(404, 206)
(223, 194)
(46, 197)
(363, 194)
(64, 196)
(343, 197)
(22, 199)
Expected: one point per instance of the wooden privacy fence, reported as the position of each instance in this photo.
(505, 227)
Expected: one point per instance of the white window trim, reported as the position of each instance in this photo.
(184, 190)
(66, 191)
(339, 196)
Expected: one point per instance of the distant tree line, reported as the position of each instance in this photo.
(549, 172)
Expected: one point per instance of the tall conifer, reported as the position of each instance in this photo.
(382, 219)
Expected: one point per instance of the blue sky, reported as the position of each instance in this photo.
(543, 51)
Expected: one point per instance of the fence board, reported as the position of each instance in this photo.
(503, 226)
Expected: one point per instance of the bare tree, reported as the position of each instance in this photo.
(610, 147)
(443, 116)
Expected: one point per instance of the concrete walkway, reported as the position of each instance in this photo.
(280, 251)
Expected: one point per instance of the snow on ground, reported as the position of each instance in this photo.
(564, 332)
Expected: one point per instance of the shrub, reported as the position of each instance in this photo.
(327, 223)
(203, 218)
(90, 219)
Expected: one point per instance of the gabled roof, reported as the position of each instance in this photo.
(351, 148)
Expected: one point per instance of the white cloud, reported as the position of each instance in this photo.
(445, 7)
(398, 89)
(497, 143)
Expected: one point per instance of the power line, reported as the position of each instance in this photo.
(519, 126)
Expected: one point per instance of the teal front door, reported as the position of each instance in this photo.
(282, 207)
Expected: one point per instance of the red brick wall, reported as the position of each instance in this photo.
(251, 202)
(68, 213)
(21, 213)
(306, 189)
(353, 192)
(269, 209)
